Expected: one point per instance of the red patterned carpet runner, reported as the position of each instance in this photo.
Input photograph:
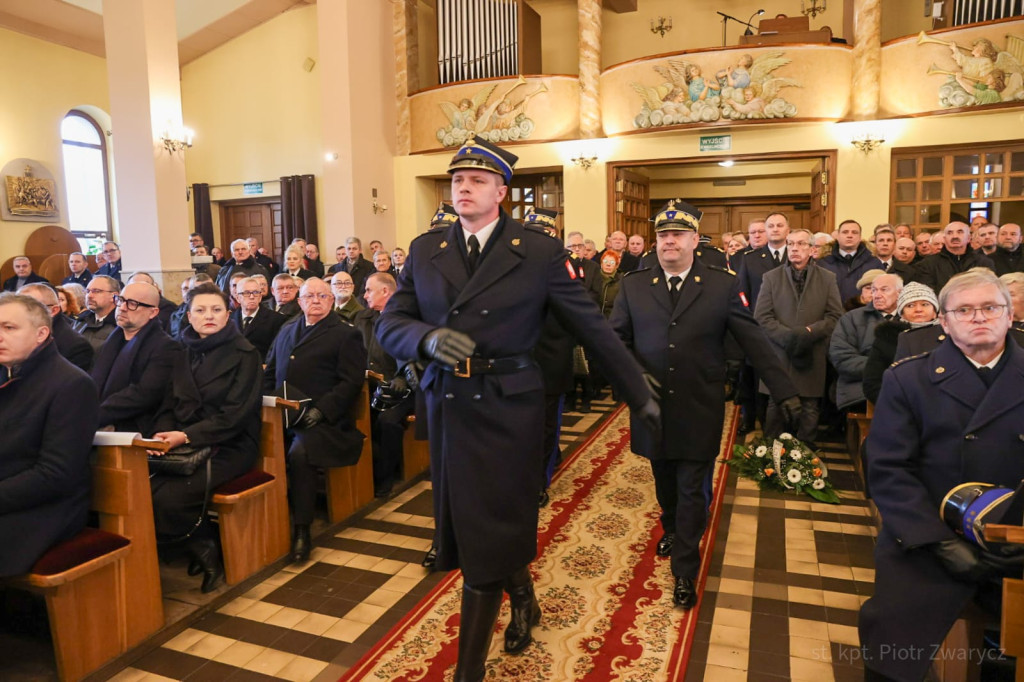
(606, 598)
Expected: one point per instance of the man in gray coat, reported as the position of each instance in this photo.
(798, 307)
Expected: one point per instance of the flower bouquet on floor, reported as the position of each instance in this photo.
(784, 464)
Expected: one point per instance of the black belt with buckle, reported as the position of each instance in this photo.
(472, 366)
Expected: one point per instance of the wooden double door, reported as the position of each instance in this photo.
(261, 219)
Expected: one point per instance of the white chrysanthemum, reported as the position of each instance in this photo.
(785, 436)
(794, 476)
(795, 454)
(761, 451)
(818, 484)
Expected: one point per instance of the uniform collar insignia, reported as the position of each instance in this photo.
(940, 370)
(696, 278)
(443, 244)
(515, 242)
(654, 281)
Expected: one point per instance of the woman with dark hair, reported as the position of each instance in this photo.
(214, 401)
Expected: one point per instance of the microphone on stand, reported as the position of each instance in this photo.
(758, 13)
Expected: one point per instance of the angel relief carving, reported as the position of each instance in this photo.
(499, 120)
(982, 74)
(747, 90)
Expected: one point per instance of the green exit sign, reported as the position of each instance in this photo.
(252, 188)
(715, 143)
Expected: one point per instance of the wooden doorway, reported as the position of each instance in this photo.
(631, 213)
(243, 218)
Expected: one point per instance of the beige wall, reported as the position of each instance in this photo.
(754, 187)
(42, 82)
(905, 18)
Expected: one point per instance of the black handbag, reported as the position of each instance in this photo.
(180, 461)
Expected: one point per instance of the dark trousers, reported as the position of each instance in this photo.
(388, 429)
(552, 427)
(807, 426)
(681, 488)
(302, 480)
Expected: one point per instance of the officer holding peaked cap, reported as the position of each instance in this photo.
(470, 305)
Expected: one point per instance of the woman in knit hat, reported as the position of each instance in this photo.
(917, 306)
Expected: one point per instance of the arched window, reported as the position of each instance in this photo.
(85, 177)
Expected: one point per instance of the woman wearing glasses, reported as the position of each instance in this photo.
(214, 401)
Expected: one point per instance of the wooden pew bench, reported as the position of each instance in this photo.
(415, 453)
(351, 488)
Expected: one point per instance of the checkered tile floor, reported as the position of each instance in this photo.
(788, 576)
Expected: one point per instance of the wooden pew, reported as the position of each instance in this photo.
(272, 458)
(1011, 629)
(122, 496)
(350, 488)
(415, 453)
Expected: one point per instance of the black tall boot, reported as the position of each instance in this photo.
(205, 552)
(479, 615)
(525, 611)
(302, 543)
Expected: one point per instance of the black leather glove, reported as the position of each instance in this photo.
(311, 418)
(653, 384)
(650, 416)
(732, 381)
(399, 385)
(791, 409)
(1005, 559)
(962, 560)
(447, 346)
(803, 341)
(412, 372)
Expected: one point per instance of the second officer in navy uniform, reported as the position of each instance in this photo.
(471, 302)
(675, 316)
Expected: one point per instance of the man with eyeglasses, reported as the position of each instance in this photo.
(285, 291)
(133, 367)
(112, 266)
(943, 418)
(258, 325)
(319, 358)
(73, 347)
(590, 270)
(79, 267)
(345, 302)
(97, 322)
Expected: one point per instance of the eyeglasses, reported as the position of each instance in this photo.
(316, 297)
(98, 291)
(250, 294)
(966, 313)
(130, 304)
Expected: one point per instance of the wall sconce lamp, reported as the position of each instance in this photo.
(584, 162)
(866, 142)
(663, 25)
(377, 207)
(812, 8)
(176, 141)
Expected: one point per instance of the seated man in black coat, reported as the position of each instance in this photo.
(49, 410)
(258, 325)
(72, 346)
(167, 306)
(319, 357)
(97, 322)
(134, 366)
(285, 291)
(22, 275)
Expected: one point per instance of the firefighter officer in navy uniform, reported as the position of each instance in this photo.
(675, 316)
(471, 303)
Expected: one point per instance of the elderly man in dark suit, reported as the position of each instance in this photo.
(133, 367)
(798, 307)
(675, 317)
(72, 346)
(943, 418)
(285, 301)
(22, 275)
(49, 409)
(258, 325)
(319, 358)
(471, 302)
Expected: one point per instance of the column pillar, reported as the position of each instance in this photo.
(145, 100)
(867, 58)
(589, 13)
(406, 40)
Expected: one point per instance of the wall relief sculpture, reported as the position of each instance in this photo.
(494, 117)
(978, 74)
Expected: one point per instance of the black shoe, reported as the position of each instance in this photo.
(430, 560)
(525, 612)
(544, 499)
(685, 593)
(206, 554)
(383, 490)
(302, 544)
(665, 544)
(194, 568)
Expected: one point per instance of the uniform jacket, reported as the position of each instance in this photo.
(82, 279)
(132, 384)
(937, 269)
(847, 274)
(263, 329)
(683, 347)
(72, 346)
(917, 341)
(48, 418)
(95, 332)
(11, 283)
(849, 349)
(752, 268)
(936, 426)
(326, 364)
(111, 270)
(782, 313)
(486, 431)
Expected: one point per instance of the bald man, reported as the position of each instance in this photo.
(1008, 257)
(134, 365)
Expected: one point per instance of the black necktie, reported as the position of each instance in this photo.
(674, 285)
(775, 257)
(474, 252)
(986, 375)
(246, 322)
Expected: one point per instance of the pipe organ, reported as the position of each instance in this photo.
(973, 11)
(486, 39)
